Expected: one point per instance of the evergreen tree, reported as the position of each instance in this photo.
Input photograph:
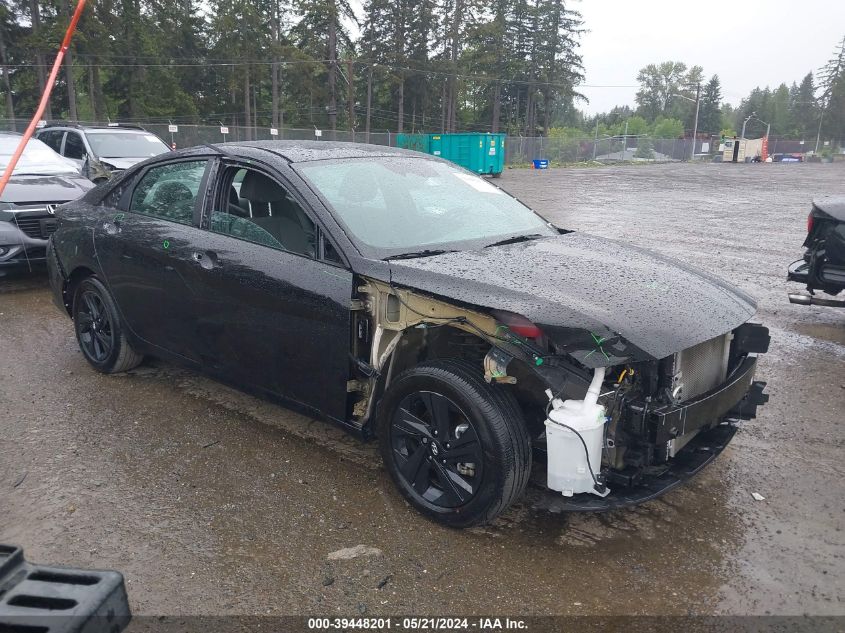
(805, 114)
(832, 98)
(710, 112)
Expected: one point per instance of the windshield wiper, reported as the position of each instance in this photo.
(515, 239)
(415, 254)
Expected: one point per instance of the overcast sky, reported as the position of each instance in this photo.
(747, 43)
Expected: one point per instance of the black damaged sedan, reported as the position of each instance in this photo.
(405, 298)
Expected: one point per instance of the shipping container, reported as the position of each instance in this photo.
(480, 153)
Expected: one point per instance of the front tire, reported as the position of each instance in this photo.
(99, 330)
(456, 447)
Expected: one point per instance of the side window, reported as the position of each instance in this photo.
(330, 253)
(74, 147)
(112, 198)
(52, 138)
(258, 209)
(169, 191)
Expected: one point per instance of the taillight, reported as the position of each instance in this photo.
(517, 324)
(810, 223)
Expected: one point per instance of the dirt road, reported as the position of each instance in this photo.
(211, 501)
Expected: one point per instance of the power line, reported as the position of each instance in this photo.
(420, 71)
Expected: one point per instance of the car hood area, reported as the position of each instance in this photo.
(123, 163)
(48, 189)
(600, 301)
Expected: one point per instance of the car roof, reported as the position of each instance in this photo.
(304, 151)
(95, 128)
(124, 130)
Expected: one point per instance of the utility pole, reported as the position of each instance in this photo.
(332, 107)
(697, 102)
(351, 96)
(695, 125)
(369, 99)
(369, 88)
(625, 140)
(744, 123)
(281, 104)
(596, 141)
(819, 134)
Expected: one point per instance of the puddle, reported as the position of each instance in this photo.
(823, 331)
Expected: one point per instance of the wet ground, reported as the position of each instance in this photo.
(211, 501)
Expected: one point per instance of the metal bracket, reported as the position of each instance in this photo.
(496, 366)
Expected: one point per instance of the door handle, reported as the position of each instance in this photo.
(112, 228)
(206, 259)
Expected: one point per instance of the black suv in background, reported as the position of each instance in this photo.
(113, 148)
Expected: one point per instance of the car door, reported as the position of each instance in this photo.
(144, 248)
(273, 307)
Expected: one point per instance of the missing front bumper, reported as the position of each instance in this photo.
(674, 421)
(700, 451)
(711, 417)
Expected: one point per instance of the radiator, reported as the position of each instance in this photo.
(698, 369)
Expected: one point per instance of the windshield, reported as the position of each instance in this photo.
(37, 158)
(417, 204)
(107, 144)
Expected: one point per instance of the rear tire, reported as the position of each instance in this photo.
(99, 330)
(456, 447)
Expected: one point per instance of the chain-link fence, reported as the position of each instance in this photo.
(519, 150)
(190, 135)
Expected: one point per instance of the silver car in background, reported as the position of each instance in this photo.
(42, 180)
(106, 149)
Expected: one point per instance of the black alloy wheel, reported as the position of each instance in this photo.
(456, 447)
(96, 337)
(437, 449)
(99, 329)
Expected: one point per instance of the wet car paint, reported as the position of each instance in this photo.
(642, 306)
(45, 189)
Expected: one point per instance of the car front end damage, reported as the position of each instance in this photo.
(659, 421)
(24, 231)
(27, 215)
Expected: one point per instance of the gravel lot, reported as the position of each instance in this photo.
(211, 501)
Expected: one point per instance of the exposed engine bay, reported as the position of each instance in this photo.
(603, 433)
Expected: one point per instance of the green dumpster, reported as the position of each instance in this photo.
(481, 153)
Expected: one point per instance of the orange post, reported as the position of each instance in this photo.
(10, 168)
